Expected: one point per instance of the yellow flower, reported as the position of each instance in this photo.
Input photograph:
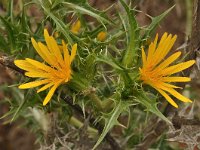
(58, 70)
(76, 27)
(101, 36)
(156, 70)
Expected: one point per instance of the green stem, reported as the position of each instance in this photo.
(189, 18)
(107, 105)
(101, 105)
(96, 100)
(78, 124)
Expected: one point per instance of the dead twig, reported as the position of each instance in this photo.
(7, 62)
(179, 121)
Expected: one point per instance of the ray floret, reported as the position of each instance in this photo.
(157, 70)
(54, 71)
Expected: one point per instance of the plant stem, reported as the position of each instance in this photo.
(108, 104)
(77, 123)
(189, 18)
(96, 100)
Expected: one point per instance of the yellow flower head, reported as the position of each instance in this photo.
(156, 70)
(76, 27)
(101, 36)
(56, 72)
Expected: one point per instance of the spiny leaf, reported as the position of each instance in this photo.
(151, 105)
(109, 61)
(24, 24)
(155, 22)
(111, 120)
(21, 102)
(132, 36)
(90, 66)
(78, 82)
(10, 11)
(10, 32)
(3, 44)
(60, 24)
(87, 9)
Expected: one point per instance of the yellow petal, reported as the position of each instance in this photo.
(162, 85)
(50, 94)
(168, 45)
(39, 65)
(76, 27)
(167, 98)
(56, 50)
(45, 87)
(33, 84)
(66, 54)
(37, 74)
(169, 60)
(156, 40)
(161, 50)
(37, 48)
(176, 94)
(171, 43)
(53, 47)
(177, 68)
(23, 64)
(144, 57)
(73, 52)
(50, 58)
(48, 41)
(161, 44)
(170, 85)
(176, 79)
(163, 38)
(151, 49)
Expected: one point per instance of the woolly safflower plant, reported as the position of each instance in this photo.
(156, 70)
(55, 72)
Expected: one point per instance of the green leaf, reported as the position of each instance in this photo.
(56, 3)
(111, 120)
(24, 25)
(3, 44)
(110, 61)
(155, 22)
(87, 9)
(10, 32)
(120, 69)
(15, 103)
(151, 105)
(59, 23)
(21, 101)
(78, 82)
(132, 36)
(16, 113)
(77, 1)
(90, 66)
(10, 11)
